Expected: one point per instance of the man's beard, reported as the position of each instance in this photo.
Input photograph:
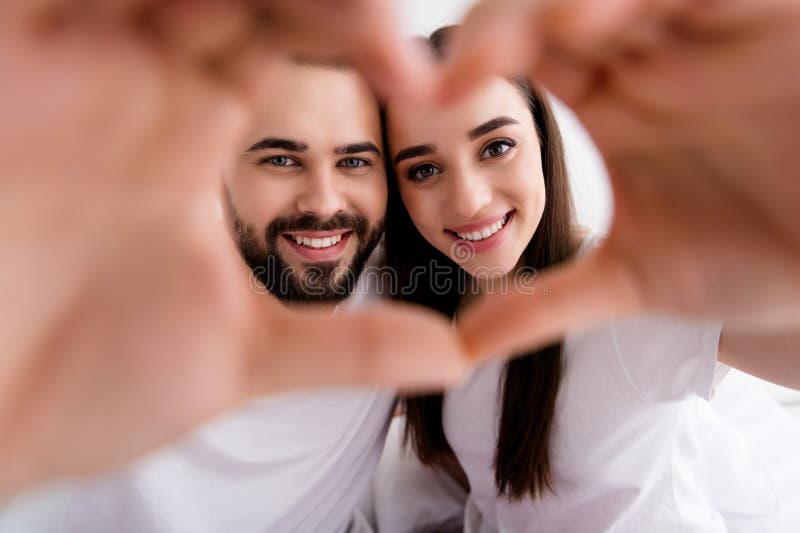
(324, 282)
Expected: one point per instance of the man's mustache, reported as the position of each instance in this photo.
(358, 224)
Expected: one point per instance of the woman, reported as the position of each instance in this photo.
(603, 431)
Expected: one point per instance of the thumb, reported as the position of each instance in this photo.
(388, 345)
(587, 291)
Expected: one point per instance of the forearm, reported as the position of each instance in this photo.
(773, 356)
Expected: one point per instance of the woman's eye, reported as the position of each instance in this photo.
(422, 172)
(497, 148)
(279, 161)
(353, 162)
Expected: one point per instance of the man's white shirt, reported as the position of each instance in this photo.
(294, 462)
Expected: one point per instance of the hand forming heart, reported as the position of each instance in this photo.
(694, 107)
(129, 316)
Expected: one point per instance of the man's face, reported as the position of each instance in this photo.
(308, 196)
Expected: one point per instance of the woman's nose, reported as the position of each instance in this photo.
(469, 195)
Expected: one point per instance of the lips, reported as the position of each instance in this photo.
(318, 234)
(484, 235)
(317, 246)
(477, 226)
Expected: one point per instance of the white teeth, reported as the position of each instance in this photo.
(485, 233)
(315, 243)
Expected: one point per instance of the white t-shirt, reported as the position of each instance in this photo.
(636, 447)
(291, 463)
(621, 452)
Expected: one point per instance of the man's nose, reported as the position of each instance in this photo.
(321, 196)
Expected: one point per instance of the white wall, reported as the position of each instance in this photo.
(587, 173)
(421, 17)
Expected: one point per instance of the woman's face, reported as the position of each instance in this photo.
(470, 176)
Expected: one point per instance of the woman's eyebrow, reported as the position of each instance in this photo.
(490, 126)
(414, 151)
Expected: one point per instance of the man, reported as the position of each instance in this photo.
(305, 203)
(308, 198)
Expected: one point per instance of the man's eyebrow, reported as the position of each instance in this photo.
(414, 151)
(486, 127)
(283, 144)
(358, 148)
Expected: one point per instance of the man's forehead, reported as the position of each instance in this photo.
(317, 104)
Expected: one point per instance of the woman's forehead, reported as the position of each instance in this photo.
(497, 97)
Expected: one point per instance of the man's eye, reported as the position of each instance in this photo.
(423, 172)
(497, 148)
(353, 162)
(279, 161)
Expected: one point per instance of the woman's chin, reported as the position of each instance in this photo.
(488, 270)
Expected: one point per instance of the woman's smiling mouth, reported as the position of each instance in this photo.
(483, 235)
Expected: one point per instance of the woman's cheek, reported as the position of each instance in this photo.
(422, 209)
(414, 203)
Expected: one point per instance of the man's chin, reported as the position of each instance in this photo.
(328, 282)
(292, 279)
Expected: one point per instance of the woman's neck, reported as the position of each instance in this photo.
(477, 288)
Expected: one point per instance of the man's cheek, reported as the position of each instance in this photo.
(353, 244)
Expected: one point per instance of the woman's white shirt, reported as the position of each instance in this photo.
(629, 435)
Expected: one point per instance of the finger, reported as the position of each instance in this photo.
(44, 14)
(596, 92)
(361, 33)
(127, 9)
(582, 293)
(190, 114)
(494, 39)
(718, 18)
(399, 68)
(569, 77)
(627, 29)
(512, 37)
(202, 28)
(392, 346)
(22, 11)
(586, 25)
(38, 15)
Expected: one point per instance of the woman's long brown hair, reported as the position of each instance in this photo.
(529, 384)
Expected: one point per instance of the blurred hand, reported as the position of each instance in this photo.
(128, 316)
(695, 106)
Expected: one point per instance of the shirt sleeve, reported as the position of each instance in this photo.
(669, 360)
